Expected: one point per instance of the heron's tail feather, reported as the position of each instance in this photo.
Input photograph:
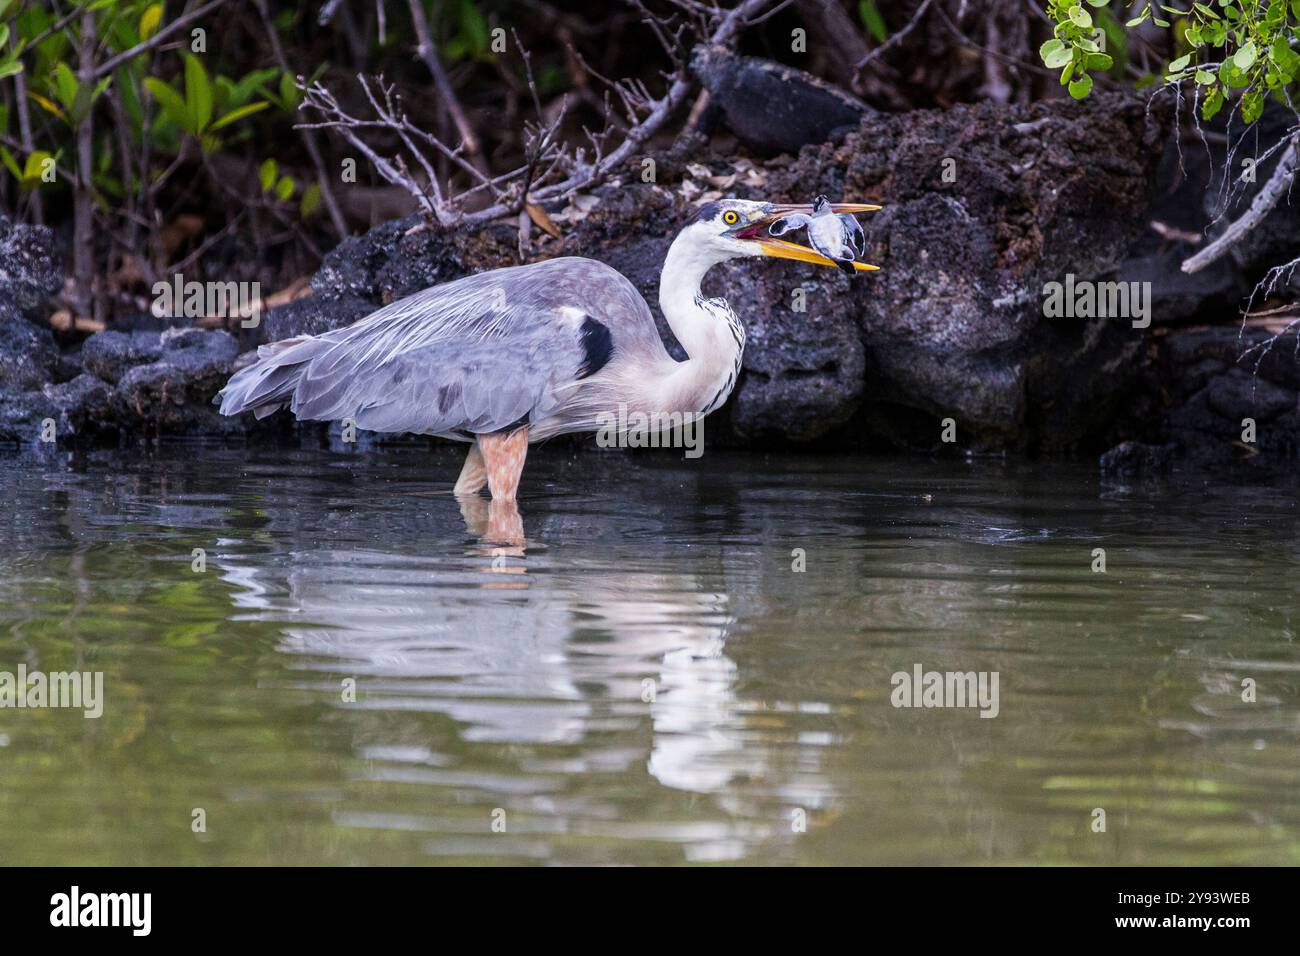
(268, 384)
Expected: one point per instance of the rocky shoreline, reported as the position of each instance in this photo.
(984, 206)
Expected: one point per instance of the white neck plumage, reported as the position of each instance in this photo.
(706, 328)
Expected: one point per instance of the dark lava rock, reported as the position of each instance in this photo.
(365, 272)
(174, 393)
(1179, 297)
(110, 354)
(770, 107)
(312, 315)
(1222, 383)
(29, 269)
(21, 415)
(954, 325)
(1132, 458)
(803, 370)
(69, 365)
(28, 355)
(82, 404)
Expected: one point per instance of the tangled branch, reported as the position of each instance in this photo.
(552, 169)
(1278, 184)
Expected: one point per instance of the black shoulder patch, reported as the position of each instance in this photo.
(597, 346)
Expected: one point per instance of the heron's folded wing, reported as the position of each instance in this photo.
(441, 388)
(437, 364)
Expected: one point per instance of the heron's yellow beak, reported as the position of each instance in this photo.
(782, 249)
(792, 250)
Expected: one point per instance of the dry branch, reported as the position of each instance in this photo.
(1273, 190)
(551, 170)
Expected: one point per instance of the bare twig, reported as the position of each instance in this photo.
(843, 37)
(308, 137)
(126, 56)
(1261, 206)
(83, 199)
(428, 53)
(327, 11)
(896, 38)
(58, 25)
(318, 98)
(25, 127)
(551, 171)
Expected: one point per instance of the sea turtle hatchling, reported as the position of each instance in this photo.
(837, 236)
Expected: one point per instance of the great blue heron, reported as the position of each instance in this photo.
(521, 354)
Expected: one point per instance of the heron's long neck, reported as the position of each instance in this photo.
(709, 332)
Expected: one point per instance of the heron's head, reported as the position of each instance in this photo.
(732, 228)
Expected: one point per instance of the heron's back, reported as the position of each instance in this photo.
(479, 354)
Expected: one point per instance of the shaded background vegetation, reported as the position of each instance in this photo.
(176, 151)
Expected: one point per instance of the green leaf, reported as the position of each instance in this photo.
(1205, 78)
(198, 94)
(872, 20)
(65, 85)
(1180, 64)
(289, 95)
(266, 174)
(1244, 58)
(1252, 106)
(284, 188)
(1055, 54)
(34, 166)
(1116, 38)
(131, 102)
(46, 104)
(10, 163)
(1081, 87)
(310, 201)
(1233, 77)
(173, 105)
(249, 84)
(149, 20)
(10, 68)
(473, 28)
(237, 114)
(1213, 103)
(1140, 19)
(1080, 17)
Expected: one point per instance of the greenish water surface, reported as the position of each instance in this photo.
(648, 679)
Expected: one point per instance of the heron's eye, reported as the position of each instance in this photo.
(731, 217)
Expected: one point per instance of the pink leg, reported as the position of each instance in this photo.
(503, 457)
(474, 475)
